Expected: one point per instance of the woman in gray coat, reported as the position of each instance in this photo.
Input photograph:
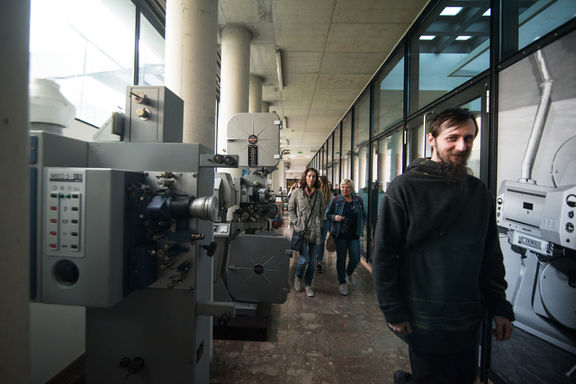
(307, 206)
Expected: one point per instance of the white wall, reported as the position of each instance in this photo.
(57, 338)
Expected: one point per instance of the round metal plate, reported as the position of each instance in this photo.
(558, 297)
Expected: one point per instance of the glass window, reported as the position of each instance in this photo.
(361, 137)
(336, 167)
(389, 96)
(386, 165)
(361, 184)
(534, 19)
(87, 47)
(346, 146)
(329, 151)
(387, 160)
(449, 49)
(151, 60)
(362, 121)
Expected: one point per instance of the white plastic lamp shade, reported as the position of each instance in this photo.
(48, 105)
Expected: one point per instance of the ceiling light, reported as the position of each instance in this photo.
(427, 37)
(463, 37)
(487, 13)
(450, 11)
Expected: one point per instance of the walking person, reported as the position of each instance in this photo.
(306, 210)
(437, 259)
(326, 189)
(346, 216)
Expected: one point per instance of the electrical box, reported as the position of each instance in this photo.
(83, 241)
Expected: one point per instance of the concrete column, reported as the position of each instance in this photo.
(265, 106)
(191, 53)
(14, 259)
(255, 98)
(234, 78)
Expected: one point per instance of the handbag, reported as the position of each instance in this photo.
(330, 244)
(297, 241)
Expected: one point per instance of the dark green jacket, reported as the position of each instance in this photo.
(437, 258)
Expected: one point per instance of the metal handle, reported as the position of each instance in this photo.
(425, 129)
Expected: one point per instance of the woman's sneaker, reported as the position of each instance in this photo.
(309, 291)
(343, 289)
(298, 284)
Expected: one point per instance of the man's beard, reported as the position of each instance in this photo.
(455, 170)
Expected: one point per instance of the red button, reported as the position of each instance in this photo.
(53, 245)
(53, 220)
(53, 208)
(53, 233)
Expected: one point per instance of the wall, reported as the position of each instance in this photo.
(14, 275)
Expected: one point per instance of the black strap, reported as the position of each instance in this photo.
(311, 210)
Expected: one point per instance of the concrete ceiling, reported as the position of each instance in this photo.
(330, 50)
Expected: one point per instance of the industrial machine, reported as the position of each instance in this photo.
(124, 227)
(539, 224)
(253, 260)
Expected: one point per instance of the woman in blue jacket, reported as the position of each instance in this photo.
(346, 215)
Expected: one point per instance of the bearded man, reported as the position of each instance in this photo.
(437, 260)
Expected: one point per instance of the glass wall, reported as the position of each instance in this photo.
(336, 167)
(527, 21)
(346, 147)
(92, 61)
(448, 67)
(389, 96)
(151, 50)
(360, 140)
(451, 47)
(386, 165)
(329, 148)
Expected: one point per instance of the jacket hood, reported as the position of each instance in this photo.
(425, 165)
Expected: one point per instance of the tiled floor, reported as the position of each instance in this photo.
(329, 339)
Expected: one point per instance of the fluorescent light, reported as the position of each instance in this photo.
(450, 11)
(487, 13)
(279, 69)
(463, 37)
(427, 37)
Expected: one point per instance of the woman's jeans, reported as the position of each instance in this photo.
(323, 240)
(343, 247)
(307, 263)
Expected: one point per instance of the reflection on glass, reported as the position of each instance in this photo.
(346, 146)
(87, 47)
(361, 181)
(416, 142)
(456, 50)
(329, 150)
(388, 160)
(361, 169)
(151, 50)
(389, 98)
(474, 106)
(362, 120)
(540, 17)
(336, 179)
